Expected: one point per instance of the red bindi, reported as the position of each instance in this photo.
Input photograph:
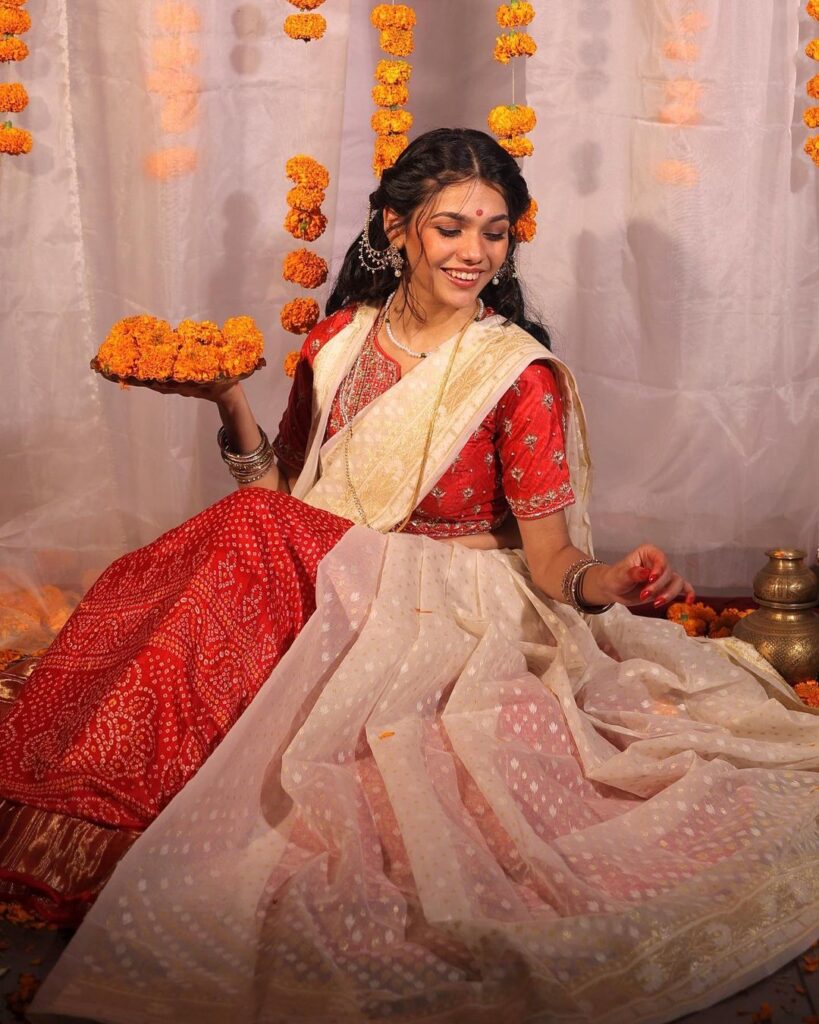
(479, 213)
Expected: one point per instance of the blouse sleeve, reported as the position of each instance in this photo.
(531, 446)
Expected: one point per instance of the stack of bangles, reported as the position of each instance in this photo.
(572, 587)
(250, 467)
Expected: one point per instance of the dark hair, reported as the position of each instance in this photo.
(445, 156)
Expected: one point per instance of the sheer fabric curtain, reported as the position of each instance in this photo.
(676, 263)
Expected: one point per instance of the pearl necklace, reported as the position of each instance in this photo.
(406, 348)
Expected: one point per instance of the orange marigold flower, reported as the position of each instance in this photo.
(515, 14)
(120, 352)
(179, 113)
(682, 50)
(13, 3)
(291, 361)
(391, 122)
(723, 624)
(390, 95)
(514, 44)
(305, 26)
(14, 20)
(306, 5)
(396, 41)
(813, 87)
(811, 147)
(393, 72)
(12, 48)
(694, 618)
(14, 141)
(517, 146)
(679, 113)
(172, 82)
(691, 24)
(811, 117)
(174, 52)
(304, 268)
(808, 691)
(388, 16)
(199, 352)
(524, 229)
(157, 362)
(812, 49)
(305, 224)
(512, 120)
(387, 150)
(676, 172)
(302, 197)
(243, 346)
(13, 97)
(173, 16)
(171, 163)
(304, 170)
(300, 316)
(813, 8)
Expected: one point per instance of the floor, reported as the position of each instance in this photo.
(791, 996)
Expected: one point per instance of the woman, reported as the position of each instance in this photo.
(447, 802)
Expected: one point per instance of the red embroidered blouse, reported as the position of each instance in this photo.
(514, 460)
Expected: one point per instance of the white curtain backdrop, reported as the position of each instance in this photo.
(676, 264)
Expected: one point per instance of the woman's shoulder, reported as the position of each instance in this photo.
(325, 330)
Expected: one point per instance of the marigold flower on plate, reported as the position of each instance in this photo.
(682, 50)
(173, 16)
(396, 41)
(14, 20)
(391, 122)
(306, 5)
(305, 268)
(808, 691)
(120, 353)
(514, 44)
(172, 162)
(300, 316)
(813, 87)
(304, 170)
(13, 97)
(392, 16)
(302, 197)
(723, 624)
(14, 141)
(811, 147)
(179, 113)
(387, 150)
(291, 361)
(174, 52)
(393, 72)
(517, 146)
(525, 227)
(390, 95)
(694, 618)
(243, 346)
(12, 48)
(199, 352)
(511, 120)
(515, 14)
(812, 8)
(308, 225)
(305, 26)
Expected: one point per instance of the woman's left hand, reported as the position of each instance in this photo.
(644, 576)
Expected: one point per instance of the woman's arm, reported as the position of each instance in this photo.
(243, 433)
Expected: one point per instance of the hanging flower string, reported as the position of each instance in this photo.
(811, 114)
(682, 95)
(305, 221)
(395, 24)
(13, 97)
(305, 26)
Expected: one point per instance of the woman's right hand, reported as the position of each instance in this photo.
(215, 391)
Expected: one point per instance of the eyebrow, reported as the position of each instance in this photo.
(463, 218)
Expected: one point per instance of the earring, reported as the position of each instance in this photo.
(377, 260)
(507, 269)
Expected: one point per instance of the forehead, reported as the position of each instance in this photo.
(467, 197)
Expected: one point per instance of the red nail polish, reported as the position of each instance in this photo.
(659, 601)
(653, 578)
(644, 594)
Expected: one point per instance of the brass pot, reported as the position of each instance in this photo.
(785, 628)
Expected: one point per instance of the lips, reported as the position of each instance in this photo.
(463, 277)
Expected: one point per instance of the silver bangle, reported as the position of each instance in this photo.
(246, 467)
(572, 583)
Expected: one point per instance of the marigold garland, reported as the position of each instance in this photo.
(179, 114)
(515, 14)
(517, 146)
(291, 361)
(384, 16)
(813, 87)
(306, 5)
(12, 48)
(811, 117)
(398, 42)
(525, 227)
(14, 20)
(176, 17)
(300, 316)
(681, 50)
(304, 170)
(811, 147)
(507, 121)
(172, 162)
(13, 97)
(13, 3)
(305, 26)
(514, 44)
(395, 23)
(390, 95)
(305, 268)
(813, 8)
(172, 51)
(387, 150)
(393, 72)
(303, 197)
(14, 141)
(391, 122)
(308, 225)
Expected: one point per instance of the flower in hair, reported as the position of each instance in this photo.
(13, 97)
(813, 8)
(387, 150)
(514, 14)
(813, 87)
(390, 95)
(393, 72)
(300, 315)
(305, 268)
(306, 5)
(391, 122)
(291, 361)
(392, 16)
(525, 227)
(308, 225)
(304, 170)
(305, 26)
(517, 146)
(304, 197)
(14, 141)
(12, 48)
(14, 20)
(396, 41)
(812, 148)
(514, 44)
(506, 121)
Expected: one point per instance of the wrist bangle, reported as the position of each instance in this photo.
(246, 467)
(571, 586)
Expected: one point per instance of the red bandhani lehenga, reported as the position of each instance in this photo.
(174, 640)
